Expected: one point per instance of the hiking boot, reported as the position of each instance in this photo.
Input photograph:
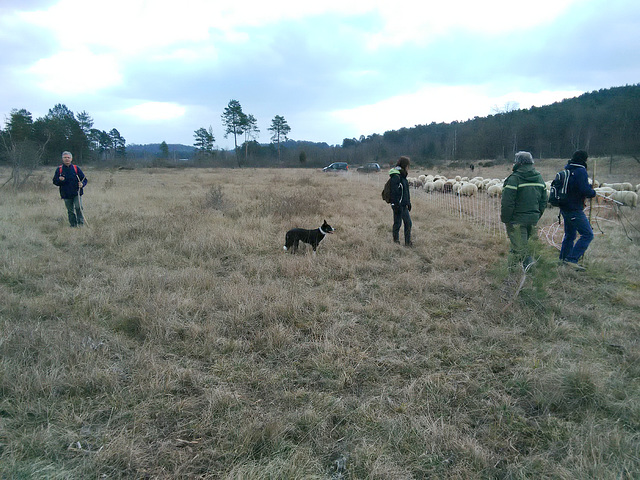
(575, 266)
(408, 244)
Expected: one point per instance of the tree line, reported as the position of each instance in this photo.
(240, 124)
(59, 130)
(603, 122)
(26, 143)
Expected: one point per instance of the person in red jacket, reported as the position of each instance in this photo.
(71, 181)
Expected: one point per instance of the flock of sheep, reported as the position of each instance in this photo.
(622, 193)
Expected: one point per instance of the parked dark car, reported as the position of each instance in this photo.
(336, 167)
(369, 168)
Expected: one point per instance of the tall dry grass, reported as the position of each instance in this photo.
(173, 338)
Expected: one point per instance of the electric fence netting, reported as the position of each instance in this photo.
(483, 210)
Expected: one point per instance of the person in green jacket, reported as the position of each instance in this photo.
(524, 198)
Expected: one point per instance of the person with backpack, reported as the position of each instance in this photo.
(524, 199)
(71, 181)
(400, 199)
(572, 210)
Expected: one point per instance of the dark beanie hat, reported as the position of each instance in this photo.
(580, 156)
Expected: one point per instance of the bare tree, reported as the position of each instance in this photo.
(24, 157)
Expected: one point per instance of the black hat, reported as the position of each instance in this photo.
(580, 156)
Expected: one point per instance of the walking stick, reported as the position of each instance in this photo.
(593, 182)
(80, 201)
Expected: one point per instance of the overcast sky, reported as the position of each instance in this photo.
(334, 69)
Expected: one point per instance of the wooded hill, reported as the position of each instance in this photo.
(603, 122)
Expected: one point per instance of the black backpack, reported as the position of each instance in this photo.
(558, 190)
(386, 191)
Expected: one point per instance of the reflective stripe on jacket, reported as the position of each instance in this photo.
(524, 196)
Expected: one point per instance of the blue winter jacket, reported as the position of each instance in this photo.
(69, 187)
(578, 187)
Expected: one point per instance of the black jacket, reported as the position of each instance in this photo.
(400, 194)
(69, 187)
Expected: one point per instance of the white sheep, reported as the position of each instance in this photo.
(428, 186)
(605, 191)
(638, 188)
(422, 179)
(625, 197)
(477, 183)
(627, 187)
(469, 189)
(494, 191)
(438, 185)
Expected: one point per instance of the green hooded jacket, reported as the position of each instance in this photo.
(524, 196)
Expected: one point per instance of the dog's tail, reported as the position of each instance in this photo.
(285, 248)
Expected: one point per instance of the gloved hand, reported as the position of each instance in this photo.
(409, 207)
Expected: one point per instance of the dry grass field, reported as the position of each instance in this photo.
(173, 338)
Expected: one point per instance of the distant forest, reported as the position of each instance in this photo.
(604, 122)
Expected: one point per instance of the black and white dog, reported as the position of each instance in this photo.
(312, 237)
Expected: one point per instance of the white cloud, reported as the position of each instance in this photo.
(159, 111)
(133, 26)
(438, 104)
(420, 22)
(76, 71)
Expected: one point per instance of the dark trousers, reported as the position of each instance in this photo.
(575, 222)
(74, 210)
(401, 215)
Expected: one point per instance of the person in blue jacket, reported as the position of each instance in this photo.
(71, 181)
(401, 200)
(575, 220)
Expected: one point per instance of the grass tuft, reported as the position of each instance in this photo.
(176, 339)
